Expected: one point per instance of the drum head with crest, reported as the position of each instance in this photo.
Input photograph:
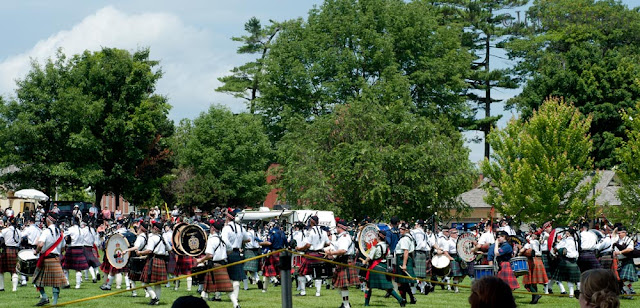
(192, 240)
(115, 250)
(465, 245)
(176, 238)
(368, 237)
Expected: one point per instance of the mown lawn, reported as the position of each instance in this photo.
(28, 297)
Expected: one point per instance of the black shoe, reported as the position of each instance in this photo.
(576, 293)
(213, 299)
(105, 287)
(309, 283)
(67, 287)
(550, 291)
(413, 301)
(260, 285)
(387, 295)
(301, 294)
(562, 293)
(442, 287)
(95, 281)
(535, 299)
(329, 287)
(276, 284)
(43, 302)
(98, 276)
(1, 290)
(403, 303)
(154, 301)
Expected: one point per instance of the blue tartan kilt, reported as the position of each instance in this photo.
(236, 272)
(627, 270)
(546, 262)
(399, 271)
(567, 270)
(456, 269)
(421, 264)
(253, 265)
(587, 260)
(379, 281)
(92, 256)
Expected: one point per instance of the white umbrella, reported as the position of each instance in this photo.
(31, 194)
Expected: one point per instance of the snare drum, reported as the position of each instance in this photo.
(483, 270)
(198, 279)
(520, 266)
(136, 265)
(27, 260)
(441, 265)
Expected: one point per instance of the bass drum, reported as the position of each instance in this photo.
(465, 247)
(190, 240)
(116, 247)
(368, 237)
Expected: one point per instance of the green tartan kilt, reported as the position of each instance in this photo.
(379, 281)
(399, 271)
(566, 270)
(627, 270)
(253, 265)
(421, 264)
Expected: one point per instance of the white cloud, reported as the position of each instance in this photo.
(190, 59)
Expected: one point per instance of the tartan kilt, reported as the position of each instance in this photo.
(399, 271)
(8, 260)
(627, 270)
(50, 275)
(217, 280)
(171, 264)
(306, 263)
(74, 259)
(271, 265)
(606, 261)
(107, 268)
(456, 270)
(546, 262)
(155, 270)
(236, 272)
(184, 265)
(93, 259)
(587, 260)
(507, 275)
(253, 265)
(344, 276)
(421, 264)
(379, 281)
(537, 273)
(566, 270)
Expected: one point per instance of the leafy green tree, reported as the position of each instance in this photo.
(222, 159)
(245, 80)
(629, 172)
(539, 165)
(588, 52)
(367, 158)
(347, 46)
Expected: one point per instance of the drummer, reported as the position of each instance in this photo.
(567, 269)
(456, 267)
(344, 252)
(313, 245)
(142, 238)
(422, 256)
(549, 262)
(404, 262)
(12, 237)
(31, 233)
(377, 260)
(234, 236)
(216, 281)
(155, 269)
(442, 248)
(486, 239)
(537, 274)
(48, 271)
(74, 257)
(501, 252)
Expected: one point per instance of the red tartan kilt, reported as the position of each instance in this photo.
(271, 265)
(107, 268)
(217, 281)
(184, 264)
(155, 270)
(50, 275)
(537, 273)
(74, 259)
(305, 266)
(346, 276)
(8, 260)
(93, 259)
(507, 275)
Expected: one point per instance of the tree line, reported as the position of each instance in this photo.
(360, 105)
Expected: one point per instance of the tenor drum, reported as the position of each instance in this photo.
(136, 265)
(198, 279)
(27, 260)
(368, 237)
(190, 240)
(519, 266)
(116, 247)
(483, 270)
(441, 264)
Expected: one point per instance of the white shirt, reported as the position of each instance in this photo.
(627, 242)
(431, 240)
(298, 236)
(140, 242)
(405, 243)
(570, 244)
(535, 246)
(8, 212)
(87, 236)
(344, 242)
(443, 243)
(32, 232)
(155, 240)
(507, 229)
(453, 248)
(232, 235)
(544, 243)
(175, 213)
(421, 239)
(316, 238)
(12, 236)
(93, 210)
(486, 238)
(216, 248)
(588, 240)
(49, 236)
(168, 238)
(76, 239)
(253, 242)
(378, 251)
(605, 245)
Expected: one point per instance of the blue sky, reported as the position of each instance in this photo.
(191, 38)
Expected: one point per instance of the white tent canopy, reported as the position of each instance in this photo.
(326, 218)
(31, 194)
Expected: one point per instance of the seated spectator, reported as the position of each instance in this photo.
(106, 213)
(599, 289)
(491, 292)
(189, 302)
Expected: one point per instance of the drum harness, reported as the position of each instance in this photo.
(210, 263)
(163, 257)
(411, 254)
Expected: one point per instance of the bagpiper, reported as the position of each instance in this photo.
(48, 271)
(344, 277)
(216, 281)
(11, 236)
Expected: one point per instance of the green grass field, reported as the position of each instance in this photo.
(28, 296)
